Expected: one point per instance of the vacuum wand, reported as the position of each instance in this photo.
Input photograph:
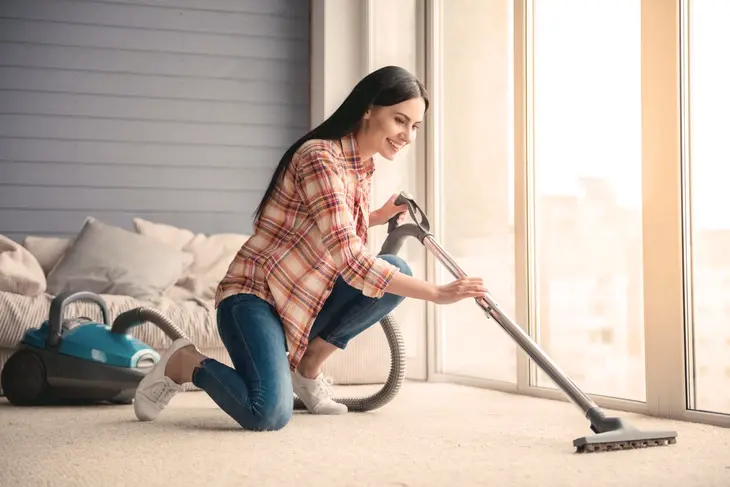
(491, 308)
(610, 433)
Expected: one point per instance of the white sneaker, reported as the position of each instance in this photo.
(155, 390)
(316, 394)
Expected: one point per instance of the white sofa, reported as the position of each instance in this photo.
(171, 269)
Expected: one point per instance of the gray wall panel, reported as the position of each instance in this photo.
(172, 110)
(57, 222)
(75, 175)
(171, 15)
(167, 64)
(106, 37)
(49, 197)
(151, 86)
(35, 149)
(23, 102)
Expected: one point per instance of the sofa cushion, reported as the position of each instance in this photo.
(212, 254)
(20, 272)
(170, 235)
(47, 250)
(110, 260)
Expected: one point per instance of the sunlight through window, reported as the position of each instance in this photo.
(587, 158)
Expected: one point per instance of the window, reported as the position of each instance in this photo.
(587, 164)
(475, 177)
(592, 199)
(709, 105)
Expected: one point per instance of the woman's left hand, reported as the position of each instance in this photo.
(383, 214)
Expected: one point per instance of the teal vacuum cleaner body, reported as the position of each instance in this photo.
(79, 361)
(94, 342)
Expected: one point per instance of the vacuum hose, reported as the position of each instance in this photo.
(395, 377)
(134, 317)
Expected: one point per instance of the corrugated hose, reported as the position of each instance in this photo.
(135, 317)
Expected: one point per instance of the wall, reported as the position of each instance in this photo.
(164, 109)
(394, 31)
(338, 53)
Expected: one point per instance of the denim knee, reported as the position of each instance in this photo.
(275, 417)
(398, 262)
(270, 415)
(266, 406)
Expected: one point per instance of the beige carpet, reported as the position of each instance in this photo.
(431, 435)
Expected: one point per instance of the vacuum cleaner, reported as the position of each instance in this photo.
(79, 361)
(610, 433)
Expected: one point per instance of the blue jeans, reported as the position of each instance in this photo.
(258, 392)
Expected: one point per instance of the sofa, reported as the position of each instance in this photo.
(171, 269)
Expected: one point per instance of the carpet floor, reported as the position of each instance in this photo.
(430, 435)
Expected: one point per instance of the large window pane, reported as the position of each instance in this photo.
(709, 105)
(477, 221)
(587, 156)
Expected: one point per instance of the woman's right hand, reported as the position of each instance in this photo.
(411, 287)
(468, 287)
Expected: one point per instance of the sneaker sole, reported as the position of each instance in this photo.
(145, 409)
(342, 410)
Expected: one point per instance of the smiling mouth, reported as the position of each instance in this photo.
(395, 146)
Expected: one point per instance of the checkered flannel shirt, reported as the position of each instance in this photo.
(313, 230)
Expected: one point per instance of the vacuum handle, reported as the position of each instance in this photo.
(58, 306)
(413, 208)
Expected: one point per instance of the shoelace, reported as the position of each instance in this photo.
(162, 392)
(325, 386)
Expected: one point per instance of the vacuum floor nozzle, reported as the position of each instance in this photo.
(623, 439)
(616, 434)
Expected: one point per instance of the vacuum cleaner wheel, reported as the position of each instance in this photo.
(24, 378)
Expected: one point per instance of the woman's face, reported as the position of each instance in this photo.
(387, 130)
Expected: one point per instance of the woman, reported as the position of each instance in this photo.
(304, 284)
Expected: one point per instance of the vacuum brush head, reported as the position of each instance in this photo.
(621, 436)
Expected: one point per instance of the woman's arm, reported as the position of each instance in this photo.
(411, 287)
(388, 211)
(374, 219)
(320, 182)
(323, 192)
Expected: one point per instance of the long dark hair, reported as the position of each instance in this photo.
(386, 86)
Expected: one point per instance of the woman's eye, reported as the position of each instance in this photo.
(399, 120)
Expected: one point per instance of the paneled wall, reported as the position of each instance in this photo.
(175, 111)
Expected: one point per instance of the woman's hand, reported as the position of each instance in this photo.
(412, 287)
(468, 287)
(383, 214)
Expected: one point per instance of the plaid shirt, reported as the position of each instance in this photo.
(313, 230)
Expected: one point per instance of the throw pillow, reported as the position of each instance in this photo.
(48, 250)
(20, 272)
(110, 260)
(212, 253)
